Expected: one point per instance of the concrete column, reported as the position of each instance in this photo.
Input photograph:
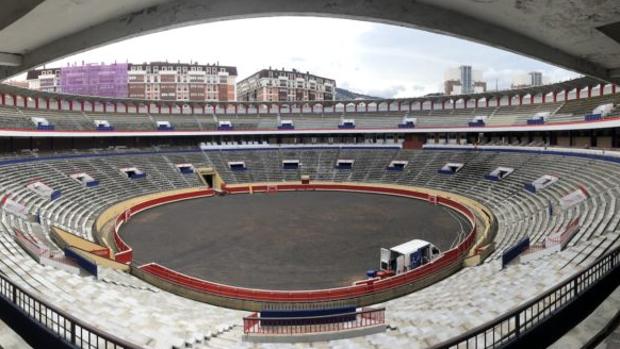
(476, 103)
(71, 105)
(544, 98)
(58, 104)
(169, 108)
(613, 88)
(589, 91)
(443, 105)
(578, 93)
(509, 101)
(566, 95)
(82, 106)
(47, 104)
(601, 89)
(531, 99)
(36, 102)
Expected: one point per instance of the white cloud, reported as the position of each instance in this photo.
(370, 58)
(249, 44)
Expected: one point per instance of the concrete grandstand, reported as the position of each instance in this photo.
(518, 189)
(518, 213)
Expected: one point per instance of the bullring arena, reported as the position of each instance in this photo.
(289, 240)
(477, 220)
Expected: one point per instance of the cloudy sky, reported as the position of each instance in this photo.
(371, 58)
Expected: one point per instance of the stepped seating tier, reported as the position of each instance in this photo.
(572, 110)
(120, 304)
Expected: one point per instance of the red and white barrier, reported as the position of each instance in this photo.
(13, 207)
(553, 243)
(562, 238)
(573, 198)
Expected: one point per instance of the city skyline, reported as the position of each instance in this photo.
(364, 57)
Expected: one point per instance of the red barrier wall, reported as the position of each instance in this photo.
(449, 257)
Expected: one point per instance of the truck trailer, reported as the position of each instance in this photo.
(408, 256)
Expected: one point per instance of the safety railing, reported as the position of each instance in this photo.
(511, 326)
(69, 329)
(368, 317)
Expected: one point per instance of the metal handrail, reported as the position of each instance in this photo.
(254, 324)
(74, 332)
(522, 318)
(317, 317)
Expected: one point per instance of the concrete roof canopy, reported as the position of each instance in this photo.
(581, 35)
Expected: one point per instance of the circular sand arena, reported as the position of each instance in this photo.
(285, 240)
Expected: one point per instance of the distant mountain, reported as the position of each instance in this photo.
(346, 95)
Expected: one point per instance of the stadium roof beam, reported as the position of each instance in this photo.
(562, 34)
(11, 60)
(12, 11)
